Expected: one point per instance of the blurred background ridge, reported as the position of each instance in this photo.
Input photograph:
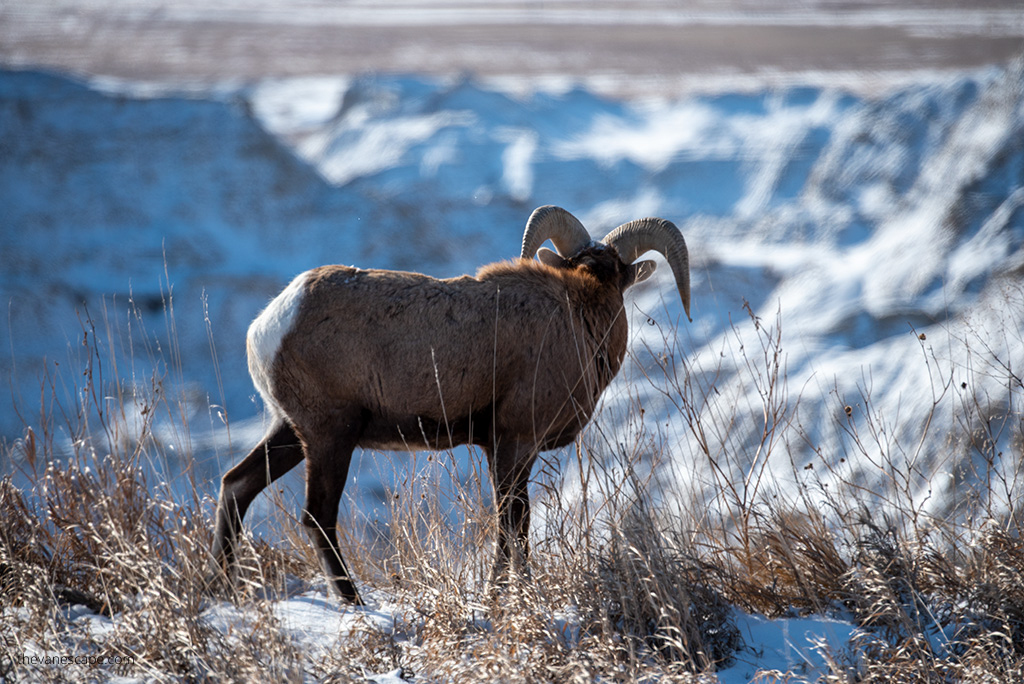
(614, 46)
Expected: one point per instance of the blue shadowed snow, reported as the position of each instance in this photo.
(860, 222)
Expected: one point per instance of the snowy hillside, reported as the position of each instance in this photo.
(877, 242)
(858, 223)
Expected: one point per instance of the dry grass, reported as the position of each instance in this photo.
(628, 584)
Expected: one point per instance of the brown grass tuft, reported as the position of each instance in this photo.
(99, 557)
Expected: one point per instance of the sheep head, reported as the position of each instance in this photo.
(616, 255)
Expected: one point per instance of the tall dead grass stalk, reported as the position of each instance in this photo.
(638, 574)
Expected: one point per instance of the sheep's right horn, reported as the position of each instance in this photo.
(559, 226)
(632, 239)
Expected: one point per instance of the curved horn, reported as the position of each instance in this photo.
(558, 225)
(632, 239)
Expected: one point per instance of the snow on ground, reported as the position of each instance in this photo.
(318, 624)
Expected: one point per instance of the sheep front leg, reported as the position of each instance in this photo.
(510, 475)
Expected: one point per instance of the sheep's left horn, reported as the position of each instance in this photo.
(632, 239)
(558, 225)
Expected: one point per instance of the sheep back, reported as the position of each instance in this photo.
(522, 349)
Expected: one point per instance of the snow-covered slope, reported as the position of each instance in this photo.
(107, 196)
(859, 223)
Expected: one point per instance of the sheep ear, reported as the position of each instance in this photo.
(550, 258)
(642, 270)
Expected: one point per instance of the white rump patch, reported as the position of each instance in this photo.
(265, 334)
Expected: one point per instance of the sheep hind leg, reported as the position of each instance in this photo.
(510, 476)
(326, 471)
(278, 452)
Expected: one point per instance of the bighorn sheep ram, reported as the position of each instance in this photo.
(512, 360)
